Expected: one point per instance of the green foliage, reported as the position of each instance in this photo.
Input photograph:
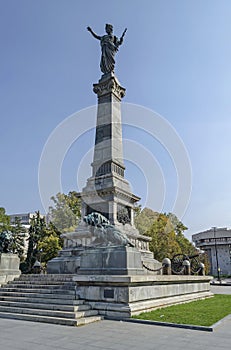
(137, 209)
(4, 221)
(178, 226)
(16, 231)
(163, 243)
(201, 313)
(44, 240)
(5, 242)
(144, 219)
(66, 211)
(186, 246)
(19, 234)
(50, 244)
(37, 231)
(49, 248)
(166, 232)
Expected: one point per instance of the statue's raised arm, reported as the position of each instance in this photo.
(93, 33)
(109, 46)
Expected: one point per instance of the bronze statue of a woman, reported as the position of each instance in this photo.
(109, 46)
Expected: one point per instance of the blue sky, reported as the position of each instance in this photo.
(175, 60)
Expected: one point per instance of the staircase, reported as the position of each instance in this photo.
(45, 298)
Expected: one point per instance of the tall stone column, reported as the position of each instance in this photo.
(107, 191)
(108, 152)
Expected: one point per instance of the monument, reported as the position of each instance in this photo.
(9, 262)
(107, 192)
(110, 261)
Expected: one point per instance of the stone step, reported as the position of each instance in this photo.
(28, 287)
(55, 320)
(38, 295)
(35, 287)
(45, 298)
(38, 290)
(46, 306)
(38, 277)
(86, 320)
(41, 300)
(38, 282)
(49, 313)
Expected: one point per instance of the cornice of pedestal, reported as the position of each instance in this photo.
(116, 191)
(109, 84)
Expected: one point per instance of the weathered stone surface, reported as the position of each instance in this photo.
(107, 189)
(64, 264)
(45, 298)
(115, 260)
(119, 260)
(83, 242)
(9, 267)
(124, 296)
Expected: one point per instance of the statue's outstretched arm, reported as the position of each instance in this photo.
(93, 33)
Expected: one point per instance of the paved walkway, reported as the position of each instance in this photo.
(221, 289)
(107, 335)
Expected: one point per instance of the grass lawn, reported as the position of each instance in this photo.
(201, 313)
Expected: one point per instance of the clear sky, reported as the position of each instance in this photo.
(175, 60)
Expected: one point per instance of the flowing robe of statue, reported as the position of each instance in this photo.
(109, 46)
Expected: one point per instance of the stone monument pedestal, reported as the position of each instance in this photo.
(113, 260)
(125, 296)
(119, 260)
(9, 267)
(86, 253)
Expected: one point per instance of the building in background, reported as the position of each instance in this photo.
(217, 243)
(25, 218)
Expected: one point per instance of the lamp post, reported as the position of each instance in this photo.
(215, 241)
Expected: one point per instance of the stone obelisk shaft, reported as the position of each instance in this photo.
(108, 152)
(107, 191)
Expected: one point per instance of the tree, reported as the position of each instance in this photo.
(51, 244)
(163, 243)
(44, 240)
(49, 248)
(137, 209)
(178, 226)
(37, 231)
(166, 232)
(74, 203)
(66, 211)
(18, 238)
(5, 233)
(144, 219)
(4, 221)
(186, 246)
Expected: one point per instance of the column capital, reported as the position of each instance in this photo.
(109, 85)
